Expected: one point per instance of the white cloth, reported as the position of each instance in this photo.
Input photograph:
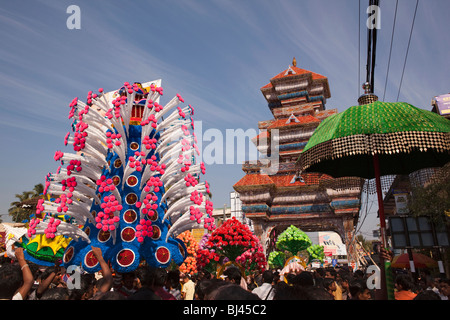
(17, 296)
(263, 291)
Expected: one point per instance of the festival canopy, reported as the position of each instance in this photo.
(404, 137)
(420, 261)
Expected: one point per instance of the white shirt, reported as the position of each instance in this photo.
(263, 291)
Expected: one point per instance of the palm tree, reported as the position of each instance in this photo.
(26, 205)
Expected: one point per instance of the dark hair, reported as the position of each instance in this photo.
(427, 295)
(320, 272)
(267, 276)
(357, 286)
(233, 292)
(405, 281)
(87, 282)
(112, 295)
(173, 278)
(304, 279)
(144, 274)
(159, 276)
(332, 272)
(10, 280)
(318, 293)
(327, 282)
(284, 291)
(57, 293)
(203, 287)
(233, 274)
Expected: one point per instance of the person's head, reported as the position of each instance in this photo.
(233, 275)
(144, 275)
(10, 280)
(330, 273)
(359, 274)
(329, 284)
(267, 276)
(186, 277)
(403, 282)
(233, 292)
(173, 279)
(159, 276)
(445, 287)
(57, 293)
(358, 289)
(427, 295)
(318, 293)
(112, 295)
(86, 289)
(320, 272)
(283, 291)
(344, 281)
(304, 279)
(128, 279)
(98, 284)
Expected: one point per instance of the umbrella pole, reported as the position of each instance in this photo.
(386, 290)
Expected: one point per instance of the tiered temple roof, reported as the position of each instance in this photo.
(296, 98)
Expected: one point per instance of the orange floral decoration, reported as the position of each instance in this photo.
(189, 266)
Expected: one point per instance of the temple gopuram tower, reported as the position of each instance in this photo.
(310, 201)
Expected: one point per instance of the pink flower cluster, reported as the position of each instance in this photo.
(58, 155)
(157, 106)
(90, 96)
(187, 163)
(74, 165)
(196, 197)
(153, 182)
(154, 88)
(32, 227)
(190, 180)
(151, 119)
(149, 143)
(70, 183)
(72, 106)
(52, 228)
(63, 201)
(105, 219)
(154, 166)
(80, 136)
(144, 229)
(149, 204)
(113, 136)
(202, 167)
(209, 220)
(39, 207)
(195, 213)
(185, 130)
(136, 164)
(105, 185)
(185, 145)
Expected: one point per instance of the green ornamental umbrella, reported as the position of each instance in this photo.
(404, 138)
(376, 139)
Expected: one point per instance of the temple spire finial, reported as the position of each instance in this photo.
(294, 62)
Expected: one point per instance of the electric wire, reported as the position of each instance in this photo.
(407, 50)
(390, 49)
(359, 48)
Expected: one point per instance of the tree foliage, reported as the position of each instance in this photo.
(433, 199)
(25, 206)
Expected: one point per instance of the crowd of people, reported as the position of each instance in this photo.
(23, 280)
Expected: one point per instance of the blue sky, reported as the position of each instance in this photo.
(216, 54)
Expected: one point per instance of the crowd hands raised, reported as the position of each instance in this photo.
(22, 280)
